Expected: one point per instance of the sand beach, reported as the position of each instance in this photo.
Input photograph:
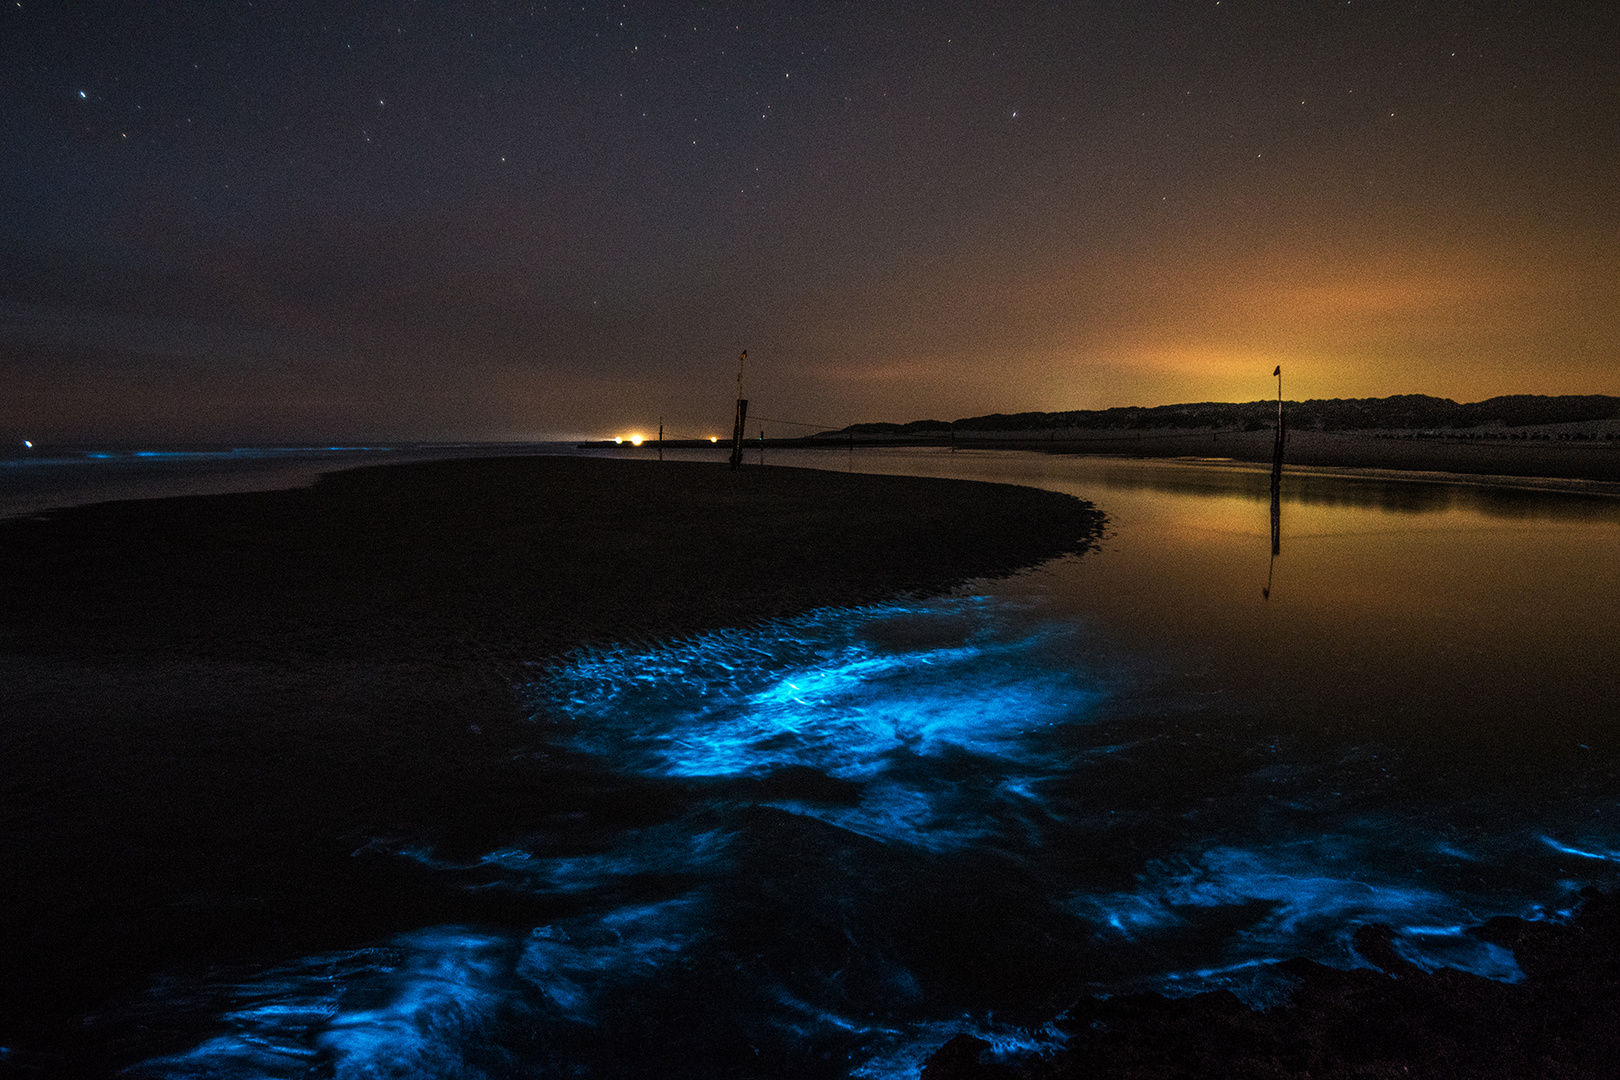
(212, 701)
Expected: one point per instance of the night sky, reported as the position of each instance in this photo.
(278, 221)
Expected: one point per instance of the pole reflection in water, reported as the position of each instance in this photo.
(1276, 529)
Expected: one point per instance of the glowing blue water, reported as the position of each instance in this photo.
(822, 847)
(853, 799)
(417, 1006)
(943, 714)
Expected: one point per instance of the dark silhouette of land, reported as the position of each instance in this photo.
(1573, 437)
(1400, 412)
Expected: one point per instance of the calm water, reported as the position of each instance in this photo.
(47, 478)
(1164, 764)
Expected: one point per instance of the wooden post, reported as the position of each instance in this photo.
(1277, 449)
(742, 415)
(660, 438)
(737, 432)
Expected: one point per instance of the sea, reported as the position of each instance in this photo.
(1217, 740)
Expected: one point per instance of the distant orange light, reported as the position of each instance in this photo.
(635, 440)
(714, 438)
(617, 439)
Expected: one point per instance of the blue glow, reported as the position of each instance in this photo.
(1432, 948)
(736, 779)
(574, 963)
(1306, 909)
(411, 1008)
(886, 696)
(661, 850)
(1605, 856)
(430, 1003)
(903, 1058)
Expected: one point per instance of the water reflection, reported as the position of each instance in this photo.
(1217, 479)
(1276, 528)
(823, 846)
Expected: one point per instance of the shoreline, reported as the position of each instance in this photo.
(1565, 485)
(1540, 455)
(389, 610)
(214, 700)
(543, 549)
(1583, 468)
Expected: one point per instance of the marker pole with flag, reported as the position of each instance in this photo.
(1276, 457)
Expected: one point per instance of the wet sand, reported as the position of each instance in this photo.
(212, 702)
(502, 559)
(1386, 1021)
(1470, 459)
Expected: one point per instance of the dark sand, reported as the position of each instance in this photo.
(211, 702)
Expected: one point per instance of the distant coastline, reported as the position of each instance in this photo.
(1528, 438)
(1504, 417)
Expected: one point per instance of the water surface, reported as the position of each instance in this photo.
(822, 846)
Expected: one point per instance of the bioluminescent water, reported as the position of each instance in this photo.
(43, 476)
(823, 846)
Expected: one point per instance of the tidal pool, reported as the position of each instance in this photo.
(836, 840)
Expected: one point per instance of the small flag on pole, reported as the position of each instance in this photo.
(1278, 371)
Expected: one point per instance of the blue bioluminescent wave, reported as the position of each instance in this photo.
(924, 706)
(1307, 902)
(823, 846)
(421, 1005)
(845, 691)
(445, 1002)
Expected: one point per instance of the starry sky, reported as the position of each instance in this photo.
(234, 221)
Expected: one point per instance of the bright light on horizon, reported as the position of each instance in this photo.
(635, 440)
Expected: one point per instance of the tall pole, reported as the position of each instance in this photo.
(1277, 449)
(1276, 488)
(660, 438)
(1278, 373)
(742, 415)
